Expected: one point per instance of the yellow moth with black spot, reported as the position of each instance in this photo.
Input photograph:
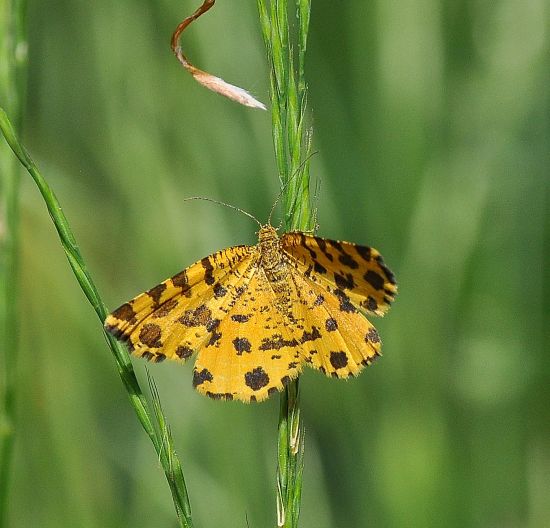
(255, 315)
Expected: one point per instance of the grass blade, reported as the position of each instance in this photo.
(171, 464)
(292, 145)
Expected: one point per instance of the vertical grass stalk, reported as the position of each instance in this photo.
(159, 435)
(13, 65)
(292, 144)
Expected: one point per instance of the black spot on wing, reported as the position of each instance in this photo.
(276, 342)
(196, 317)
(184, 352)
(240, 318)
(256, 379)
(219, 395)
(387, 272)
(219, 291)
(201, 377)
(338, 360)
(371, 304)
(323, 247)
(345, 303)
(242, 344)
(372, 336)
(319, 300)
(164, 309)
(364, 252)
(181, 281)
(208, 269)
(317, 268)
(311, 336)
(303, 242)
(150, 335)
(212, 324)
(374, 279)
(214, 338)
(115, 331)
(156, 292)
(344, 282)
(348, 260)
(125, 313)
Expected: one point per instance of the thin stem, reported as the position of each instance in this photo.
(292, 144)
(161, 443)
(13, 64)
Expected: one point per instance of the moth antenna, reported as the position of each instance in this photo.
(296, 172)
(204, 78)
(224, 204)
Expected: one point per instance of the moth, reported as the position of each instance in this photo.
(254, 316)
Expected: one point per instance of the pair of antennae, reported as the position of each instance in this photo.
(226, 205)
(279, 196)
(234, 207)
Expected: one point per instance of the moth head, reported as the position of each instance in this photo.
(267, 234)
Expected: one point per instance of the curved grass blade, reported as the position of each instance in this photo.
(171, 464)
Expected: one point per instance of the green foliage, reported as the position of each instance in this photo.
(13, 62)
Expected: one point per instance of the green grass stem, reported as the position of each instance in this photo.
(162, 442)
(292, 144)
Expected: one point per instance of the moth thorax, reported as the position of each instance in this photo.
(269, 247)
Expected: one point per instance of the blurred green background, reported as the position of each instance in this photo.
(432, 122)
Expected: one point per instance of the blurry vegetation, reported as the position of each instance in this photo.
(432, 126)
(13, 63)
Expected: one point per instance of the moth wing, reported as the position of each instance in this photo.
(254, 351)
(335, 337)
(358, 271)
(174, 319)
